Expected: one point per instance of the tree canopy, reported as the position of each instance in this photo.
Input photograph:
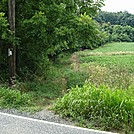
(116, 18)
(119, 26)
(46, 28)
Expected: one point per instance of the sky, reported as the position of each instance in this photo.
(119, 5)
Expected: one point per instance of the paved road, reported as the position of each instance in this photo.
(12, 124)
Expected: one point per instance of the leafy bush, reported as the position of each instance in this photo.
(111, 109)
(13, 98)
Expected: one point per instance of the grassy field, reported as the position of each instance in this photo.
(112, 55)
(116, 47)
(98, 66)
(111, 71)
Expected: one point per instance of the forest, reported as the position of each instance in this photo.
(119, 26)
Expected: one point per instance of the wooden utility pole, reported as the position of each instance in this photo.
(12, 47)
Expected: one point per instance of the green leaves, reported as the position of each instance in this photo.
(47, 28)
(88, 32)
(14, 98)
(3, 26)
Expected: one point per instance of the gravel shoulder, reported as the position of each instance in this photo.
(45, 115)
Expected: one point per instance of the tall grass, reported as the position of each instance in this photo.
(120, 61)
(113, 78)
(111, 106)
(10, 98)
(110, 109)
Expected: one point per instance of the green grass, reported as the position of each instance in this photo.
(116, 47)
(111, 55)
(13, 98)
(68, 70)
(121, 61)
(105, 107)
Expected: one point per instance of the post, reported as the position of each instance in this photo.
(12, 47)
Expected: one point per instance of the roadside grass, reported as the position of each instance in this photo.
(112, 78)
(13, 98)
(101, 106)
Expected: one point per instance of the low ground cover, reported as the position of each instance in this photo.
(13, 98)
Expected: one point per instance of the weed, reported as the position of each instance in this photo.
(14, 99)
(113, 78)
(110, 109)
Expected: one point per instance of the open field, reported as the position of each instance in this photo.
(116, 47)
(113, 55)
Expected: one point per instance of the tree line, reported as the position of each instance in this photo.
(116, 18)
(119, 26)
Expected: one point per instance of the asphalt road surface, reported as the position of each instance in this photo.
(12, 124)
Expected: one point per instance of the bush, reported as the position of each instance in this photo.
(14, 99)
(110, 109)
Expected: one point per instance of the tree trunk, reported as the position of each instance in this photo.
(12, 47)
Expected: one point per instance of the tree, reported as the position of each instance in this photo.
(116, 18)
(12, 47)
(46, 28)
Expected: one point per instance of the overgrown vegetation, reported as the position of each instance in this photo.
(110, 109)
(13, 98)
(45, 29)
(110, 77)
(75, 69)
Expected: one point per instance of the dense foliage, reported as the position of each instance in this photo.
(14, 98)
(110, 109)
(46, 28)
(116, 18)
(118, 33)
(118, 26)
(4, 36)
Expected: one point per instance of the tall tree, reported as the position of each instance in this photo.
(12, 47)
(46, 28)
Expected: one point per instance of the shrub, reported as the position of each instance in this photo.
(14, 99)
(111, 109)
